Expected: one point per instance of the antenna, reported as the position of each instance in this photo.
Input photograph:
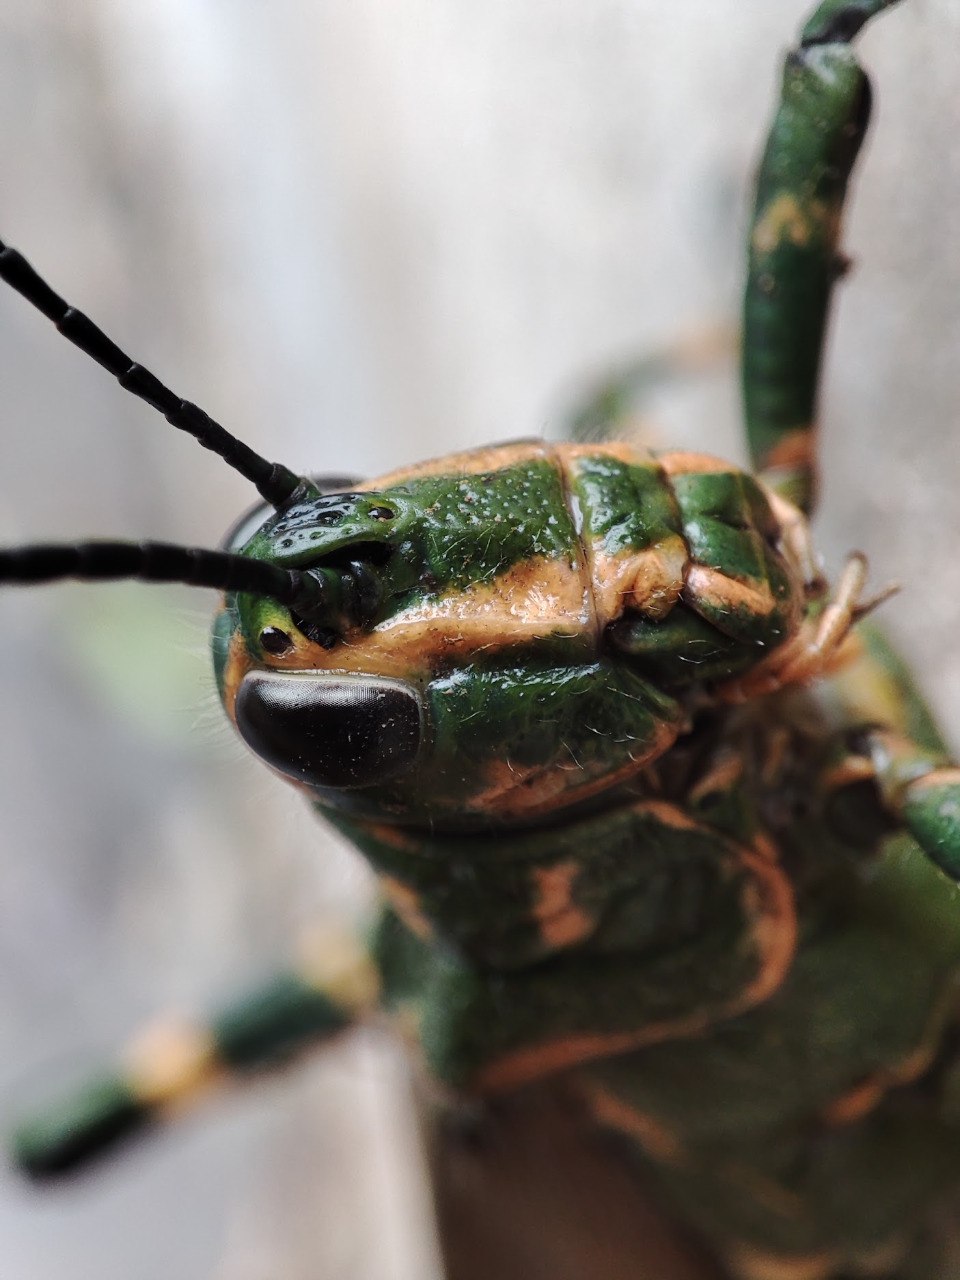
(162, 562)
(275, 483)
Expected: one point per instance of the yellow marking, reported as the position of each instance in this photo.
(670, 815)
(562, 923)
(394, 837)
(619, 450)
(748, 1263)
(771, 675)
(533, 599)
(527, 792)
(406, 903)
(171, 1061)
(707, 586)
(775, 931)
(681, 462)
(947, 777)
(917, 1063)
(797, 449)
(655, 1138)
(768, 898)
(472, 462)
(536, 594)
(849, 770)
(649, 581)
(533, 1062)
(833, 624)
(856, 1102)
(725, 771)
(861, 1099)
(796, 545)
(817, 648)
(238, 663)
(766, 848)
(333, 961)
(659, 578)
(785, 219)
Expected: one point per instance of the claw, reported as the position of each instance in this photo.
(819, 647)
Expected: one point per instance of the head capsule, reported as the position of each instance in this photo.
(498, 636)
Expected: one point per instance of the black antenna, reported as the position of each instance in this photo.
(275, 482)
(161, 562)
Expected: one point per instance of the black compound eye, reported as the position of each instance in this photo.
(330, 730)
(381, 513)
(273, 640)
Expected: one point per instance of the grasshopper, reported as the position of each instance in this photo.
(649, 813)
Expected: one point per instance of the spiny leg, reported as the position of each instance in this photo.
(793, 259)
(174, 1062)
(823, 642)
(833, 625)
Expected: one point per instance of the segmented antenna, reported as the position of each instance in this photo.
(275, 482)
(160, 562)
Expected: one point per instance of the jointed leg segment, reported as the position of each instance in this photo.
(794, 258)
(174, 1062)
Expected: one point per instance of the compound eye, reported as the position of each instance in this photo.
(330, 730)
(275, 641)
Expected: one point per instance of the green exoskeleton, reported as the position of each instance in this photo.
(652, 816)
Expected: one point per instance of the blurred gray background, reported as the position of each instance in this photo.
(360, 232)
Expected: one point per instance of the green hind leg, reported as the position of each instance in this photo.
(176, 1062)
(918, 782)
(793, 255)
(922, 788)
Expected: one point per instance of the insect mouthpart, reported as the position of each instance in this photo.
(340, 546)
(338, 599)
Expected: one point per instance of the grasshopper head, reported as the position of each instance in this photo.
(447, 672)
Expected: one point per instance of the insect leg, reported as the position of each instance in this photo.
(902, 749)
(175, 1062)
(793, 258)
(922, 788)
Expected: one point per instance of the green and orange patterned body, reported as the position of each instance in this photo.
(653, 817)
(546, 607)
(758, 969)
(603, 858)
(621, 843)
